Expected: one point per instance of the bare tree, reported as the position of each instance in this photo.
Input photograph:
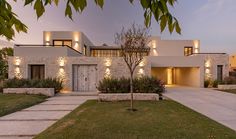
(133, 42)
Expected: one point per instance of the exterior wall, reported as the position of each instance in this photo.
(172, 47)
(232, 62)
(78, 38)
(211, 62)
(117, 67)
(44, 51)
(179, 63)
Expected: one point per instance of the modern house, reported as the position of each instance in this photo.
(72, 57)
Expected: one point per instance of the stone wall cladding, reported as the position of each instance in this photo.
(36, 91)
(118, 67)
(227, 87)
(127, 96)
(218, 59)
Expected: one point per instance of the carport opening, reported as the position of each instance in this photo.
(184, 76)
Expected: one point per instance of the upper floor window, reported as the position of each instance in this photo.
(188, 51)
(85, 50)
(62, 43)
(105, 53)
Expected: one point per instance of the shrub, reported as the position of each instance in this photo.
(28, 83)
(1, 86)
(229, 80)
(206, 83)
(215, 83)
(122, 85)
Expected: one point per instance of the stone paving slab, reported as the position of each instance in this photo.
(217, 105)
(17, 128)
(72, 97)
(29, 122)
(63, 102)
(51, 108)
(35, 115)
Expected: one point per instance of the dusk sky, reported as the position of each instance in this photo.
(211, 21)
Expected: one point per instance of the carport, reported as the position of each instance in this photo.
(178, 70)
(185, 76)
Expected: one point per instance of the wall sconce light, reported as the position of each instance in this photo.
(107, 73)
(142, 63)
(107, 62)
(61, 61)
(208, 64)
(47, 43)
(17, 61)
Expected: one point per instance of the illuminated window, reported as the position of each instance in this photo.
(85, 50)
(188, 51)
(62, 43)
(105, 53)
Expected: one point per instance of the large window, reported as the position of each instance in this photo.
(62, 43)
(37, 71)
(188, 51)
(105, 53)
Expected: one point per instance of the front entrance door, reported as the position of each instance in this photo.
(84, 77)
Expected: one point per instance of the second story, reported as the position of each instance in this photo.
(75, 43)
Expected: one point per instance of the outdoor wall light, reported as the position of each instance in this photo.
(142, 63)
(208, 64)
(108, 62)
(107, 73)
(17, 61)
(17, 72)
(47, 43)
(61, 61)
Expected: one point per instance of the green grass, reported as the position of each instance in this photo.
(153, 120)
(10, 103)
(233, 91)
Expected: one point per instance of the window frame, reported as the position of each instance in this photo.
(189, 50)
(40, 66)
(63, 42)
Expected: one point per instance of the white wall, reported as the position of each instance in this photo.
(75, 36)
(172, 47)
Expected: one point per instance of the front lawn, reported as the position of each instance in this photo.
(10, 103)
(153, 120)
(233, 91)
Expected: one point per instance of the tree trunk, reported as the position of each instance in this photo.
(131, 91)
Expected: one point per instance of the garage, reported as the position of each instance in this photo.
(185, 76)
(84, 78)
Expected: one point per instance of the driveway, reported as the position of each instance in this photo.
(27, 123)
(217, 105)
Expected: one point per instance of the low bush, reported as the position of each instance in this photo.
(215, 83)
(28, 83)
(206, 83)
(229, 80)
(1, 86)
(122, 85)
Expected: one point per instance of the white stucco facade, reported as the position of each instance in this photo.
(173, 61)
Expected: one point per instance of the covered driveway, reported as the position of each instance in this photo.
(217, 105)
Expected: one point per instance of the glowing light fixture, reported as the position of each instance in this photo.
(169, 76)
(17, 61)
(61, 61)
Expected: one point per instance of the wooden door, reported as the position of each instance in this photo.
(85, 78)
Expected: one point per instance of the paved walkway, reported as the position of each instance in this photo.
(217, 105)
(29, 122)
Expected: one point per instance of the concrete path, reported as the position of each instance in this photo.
(217, 105)
(29, 122)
